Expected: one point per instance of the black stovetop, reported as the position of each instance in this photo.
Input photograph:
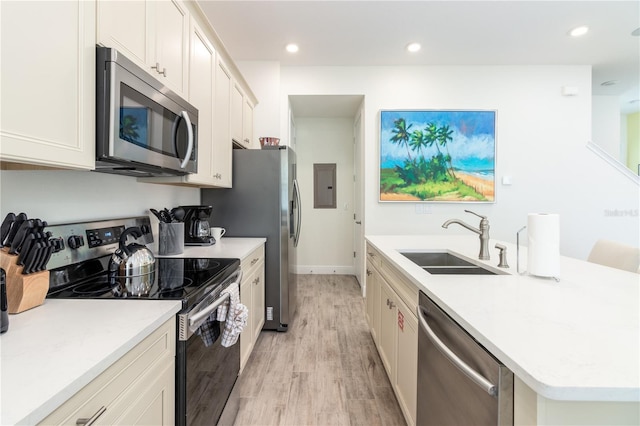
(183, 279)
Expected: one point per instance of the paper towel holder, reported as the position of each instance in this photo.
(518, 255)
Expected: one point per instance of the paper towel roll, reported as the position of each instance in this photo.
(543, 231)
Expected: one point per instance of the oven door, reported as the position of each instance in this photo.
(205, 376)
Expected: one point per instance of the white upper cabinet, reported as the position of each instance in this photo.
(48, 83)
(241, 117)
(152, 33)
(222, 147)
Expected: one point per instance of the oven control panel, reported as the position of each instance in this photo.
(104, 236)
(89, 240)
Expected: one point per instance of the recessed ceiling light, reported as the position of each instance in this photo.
(292, 48)
(413, 47)
(579, 31)
(609, 83)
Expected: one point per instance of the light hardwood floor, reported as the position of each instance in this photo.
(324, 371)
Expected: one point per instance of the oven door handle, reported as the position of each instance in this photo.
(202, 311)
(196, 320)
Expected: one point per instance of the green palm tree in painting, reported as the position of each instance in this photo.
(401, 135)
(443, 137)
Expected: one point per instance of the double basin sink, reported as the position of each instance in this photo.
(445, 263)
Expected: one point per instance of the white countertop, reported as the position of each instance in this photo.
(225, 248)
(576, 339)
(52, 351)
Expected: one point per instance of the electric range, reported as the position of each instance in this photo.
(81, 271)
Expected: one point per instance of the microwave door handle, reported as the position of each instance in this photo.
(187, 156)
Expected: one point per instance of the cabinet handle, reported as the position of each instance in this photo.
(91, 420)
(157, 68)
(390, 304)
(217, 176)
(369, 272)
(253, 262)
(246, 140)
(371, 254)
(256, 281)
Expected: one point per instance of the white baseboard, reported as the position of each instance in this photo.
(325, 270)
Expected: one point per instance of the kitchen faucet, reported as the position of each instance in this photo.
(483, 232)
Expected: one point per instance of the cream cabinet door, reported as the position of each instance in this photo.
(237, 106)
(247, 123)
(127, 27)
(406, 383)
(257, 302)
(222, 145)
(152, 33)
(373, 300)
(387, 338)
(246, 337)
(48, 83)
(201, 95)
(171, 44)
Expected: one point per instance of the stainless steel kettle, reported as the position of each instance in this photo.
(131, 267)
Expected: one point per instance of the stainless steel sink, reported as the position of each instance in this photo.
(445, 263)
(460, 270)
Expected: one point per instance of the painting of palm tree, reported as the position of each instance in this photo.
(437, 155)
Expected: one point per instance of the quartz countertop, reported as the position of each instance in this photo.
(576, 339)
(227, 247)
(52, 351)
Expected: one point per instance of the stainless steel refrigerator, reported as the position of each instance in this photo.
(265, 202)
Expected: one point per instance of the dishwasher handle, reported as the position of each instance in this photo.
(476, 377)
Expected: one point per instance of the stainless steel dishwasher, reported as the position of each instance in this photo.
(459, 382)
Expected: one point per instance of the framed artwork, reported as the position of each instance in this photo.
(437, 155)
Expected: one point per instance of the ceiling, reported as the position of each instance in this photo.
(452, 32)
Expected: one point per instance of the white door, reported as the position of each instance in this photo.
(358, 228)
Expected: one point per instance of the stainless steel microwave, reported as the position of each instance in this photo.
(142, 128)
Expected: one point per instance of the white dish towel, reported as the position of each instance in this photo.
(235, 315)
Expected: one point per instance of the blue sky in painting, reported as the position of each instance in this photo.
(472, 148)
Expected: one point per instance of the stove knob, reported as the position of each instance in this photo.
(75, 241)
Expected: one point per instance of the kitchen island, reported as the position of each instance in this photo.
(572, 344)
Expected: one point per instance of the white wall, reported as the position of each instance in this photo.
(69, 196)
(606, 125)
(541, 138)
(326, 237)
(264, 79)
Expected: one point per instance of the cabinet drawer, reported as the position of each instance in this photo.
(401, 285)
(252, 261)
(159, 347)
(374, 256)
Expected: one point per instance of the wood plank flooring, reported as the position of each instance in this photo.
(324, 371)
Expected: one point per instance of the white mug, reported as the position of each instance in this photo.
(217, 233)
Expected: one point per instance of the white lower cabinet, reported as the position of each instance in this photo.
(252, 296)
(138, 389)
(394, 328)
(48, 84)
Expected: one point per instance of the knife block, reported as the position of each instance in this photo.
(23, 291)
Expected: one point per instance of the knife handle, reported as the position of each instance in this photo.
(14, 229)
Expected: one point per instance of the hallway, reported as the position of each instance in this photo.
(324, 371)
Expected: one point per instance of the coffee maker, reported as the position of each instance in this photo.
(197, 230)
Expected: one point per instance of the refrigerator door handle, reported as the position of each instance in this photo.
(296, 194)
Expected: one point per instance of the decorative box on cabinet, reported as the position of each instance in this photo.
(45, 124)
(252, 295)
(139, 388)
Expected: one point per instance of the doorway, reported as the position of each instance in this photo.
(325, 129)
